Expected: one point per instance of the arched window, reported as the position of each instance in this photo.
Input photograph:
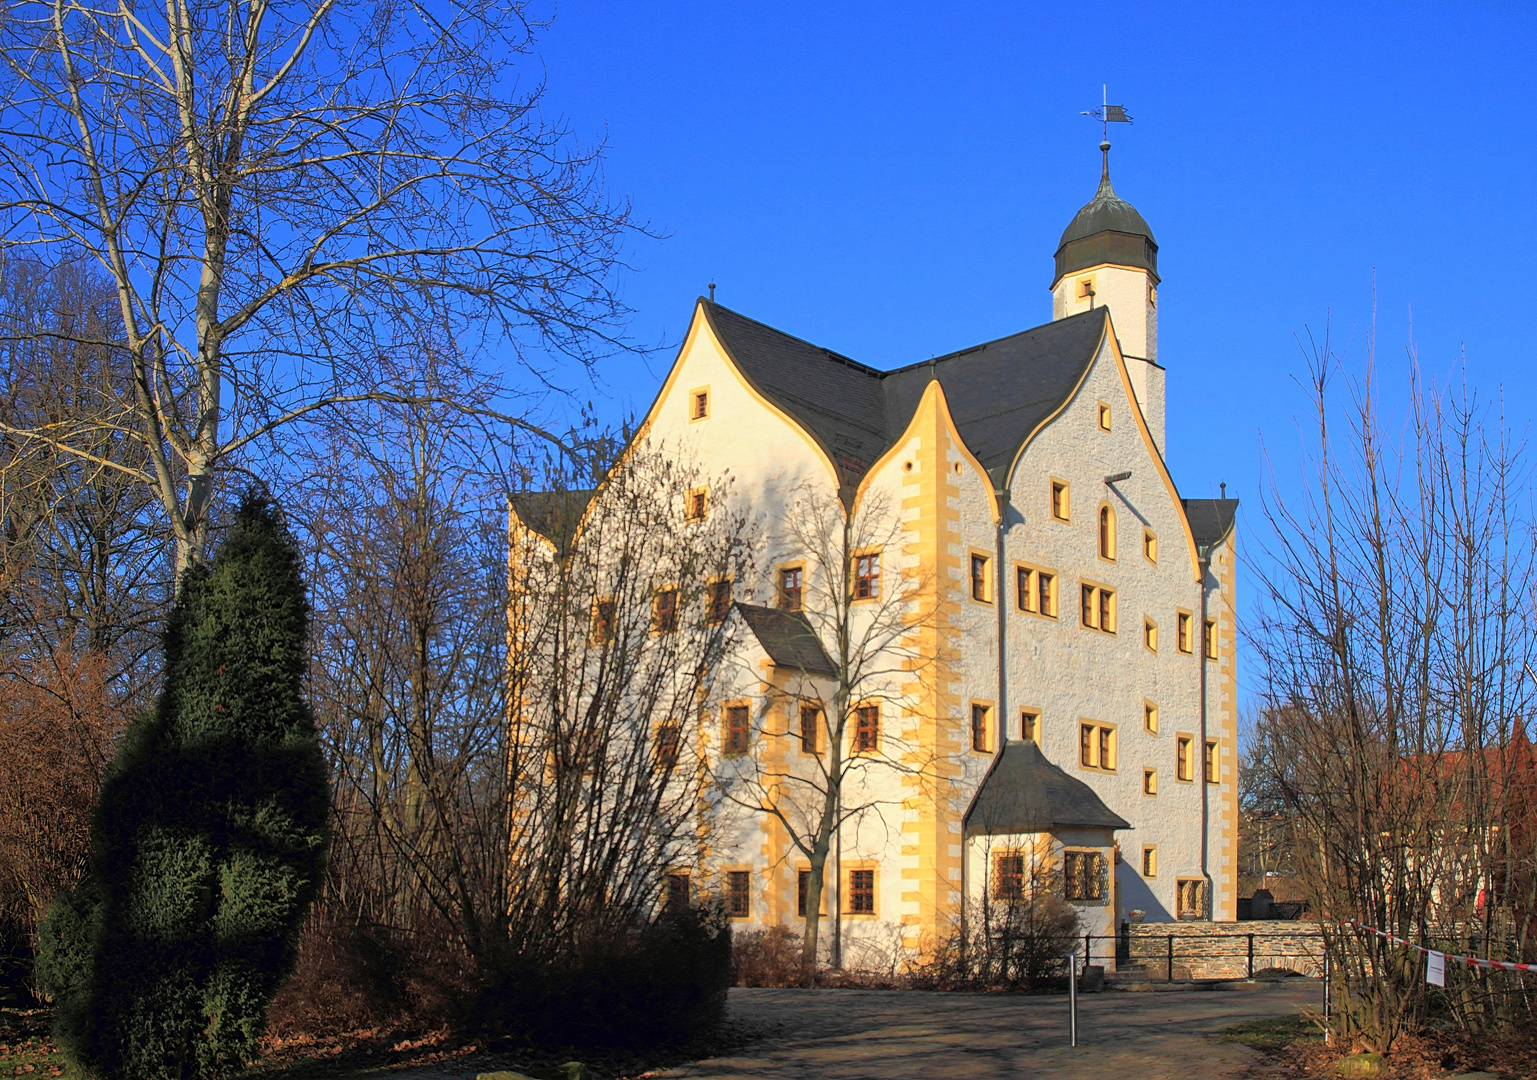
(1106, 533)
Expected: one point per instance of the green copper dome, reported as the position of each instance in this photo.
(1107, 230)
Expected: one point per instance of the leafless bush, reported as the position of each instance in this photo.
(1396, 652)
(767, 957)
(1016, 943)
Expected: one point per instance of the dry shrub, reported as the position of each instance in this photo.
(58, 720)
(356, 976)
(1007, 945)
(770, 957)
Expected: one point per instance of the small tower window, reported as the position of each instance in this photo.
(1104, 416)
(1086, 288)
(1152, 295)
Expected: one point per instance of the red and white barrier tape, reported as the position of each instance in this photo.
(1471, 961)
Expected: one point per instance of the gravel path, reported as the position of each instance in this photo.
(910, 1035)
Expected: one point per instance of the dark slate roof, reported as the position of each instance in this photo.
(1023, 793)
(788, 639)
(999, 392)
(1210, 519)
(554, 515)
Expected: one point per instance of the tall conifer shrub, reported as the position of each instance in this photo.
(209, 839)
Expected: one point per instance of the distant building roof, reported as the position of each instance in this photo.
(999, 392)
(1025, 793)
(788, 639)
(1210, 519)
(554, 515)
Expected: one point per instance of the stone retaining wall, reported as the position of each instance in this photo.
(1221, 950)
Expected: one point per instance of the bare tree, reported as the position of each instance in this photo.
(616, 643)
(859, 602)
(83, 578)
(280, 194)
(510, 715)
(1396, 655)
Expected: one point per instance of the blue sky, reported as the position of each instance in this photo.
(890, 180)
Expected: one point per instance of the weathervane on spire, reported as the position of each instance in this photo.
(1107, 113)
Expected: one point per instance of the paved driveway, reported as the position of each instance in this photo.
(909, 1035)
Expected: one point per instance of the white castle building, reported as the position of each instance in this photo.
(1063, 691)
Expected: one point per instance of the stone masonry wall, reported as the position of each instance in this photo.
(1205, 950)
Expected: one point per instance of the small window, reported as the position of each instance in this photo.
(1150, 781)
(1190, 899)
(698, 504)
(1059, 500)
(664, 611)
(1008, 876)
(1149, 546)
(699, 404)
(678, 892)
(979, 589)
(1184, 766)
(1083, 875)
(1182, 631)
(1096, 746)
(1149, 634)
(811, 728)
(1030, 726)
(980, 718)
(1107, 533)
(1098, 608)
(1086, 288)
(1104, 416)
(717, 599)
(1150, 718)
(603, 612)
(867, 729)
(1152, 295)
(1035, 591)
(790, 582)
(1150, 862)
(867, 576)
(1211, 763)
(668, 742)
(739, 893)
(861, 892)
(1211, 639)
(738, 729)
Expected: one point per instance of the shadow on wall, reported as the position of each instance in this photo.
(1136, 896)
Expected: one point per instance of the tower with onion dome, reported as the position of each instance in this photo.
(1108, 258)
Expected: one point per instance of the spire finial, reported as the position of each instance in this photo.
(712, 292)
(1104, 172)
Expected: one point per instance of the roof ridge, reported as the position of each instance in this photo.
(958, 353)
(847, 361)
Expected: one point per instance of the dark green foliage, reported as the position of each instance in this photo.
(661, 984)
(209, 838)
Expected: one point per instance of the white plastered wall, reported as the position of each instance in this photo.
(1071, 674)
(1129, 294)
